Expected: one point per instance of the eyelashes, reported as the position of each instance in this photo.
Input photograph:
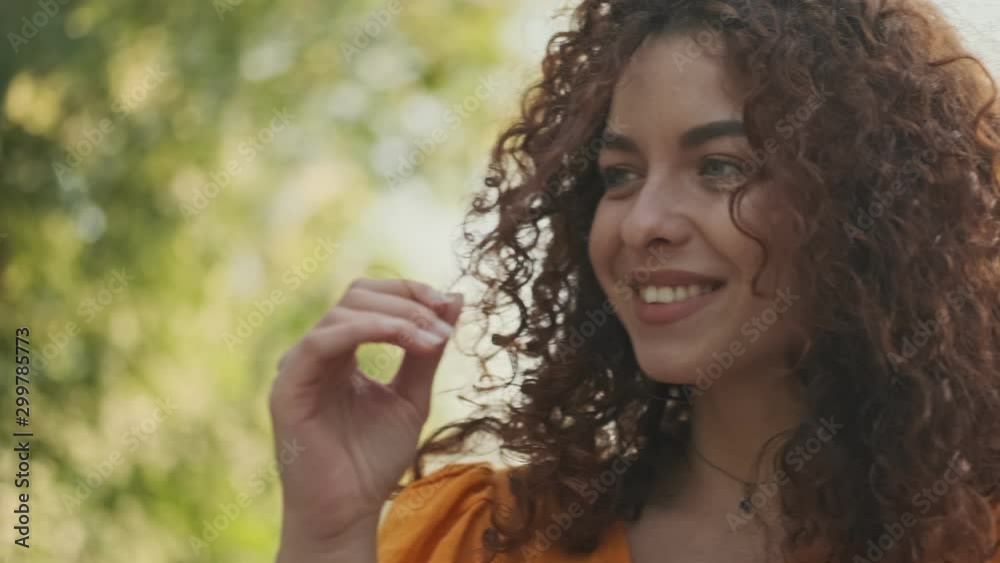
(729, 173)
(717, 173)
(719, 165)
(613, 176)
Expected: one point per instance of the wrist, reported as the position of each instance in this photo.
(357, 544)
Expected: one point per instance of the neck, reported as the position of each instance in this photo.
(733, 421)
(738, 425)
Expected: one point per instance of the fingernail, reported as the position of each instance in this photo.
(443, 328)
(429, 338)
(441, 300)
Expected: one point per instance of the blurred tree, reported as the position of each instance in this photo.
(188, 185)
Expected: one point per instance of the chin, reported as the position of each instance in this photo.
(678, 357)
(659, 367)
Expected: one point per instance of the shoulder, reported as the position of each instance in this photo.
(441, 517)
(996, 536)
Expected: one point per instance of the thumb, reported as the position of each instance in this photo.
(416, 374)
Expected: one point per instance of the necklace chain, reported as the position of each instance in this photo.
(745, 503)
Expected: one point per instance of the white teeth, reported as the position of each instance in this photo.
(652, 294)
(649, 294)
(665, 294)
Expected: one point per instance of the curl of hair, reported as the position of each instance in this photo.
(892, 185)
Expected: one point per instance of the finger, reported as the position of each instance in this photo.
(416, 374)
(359, 299)
(425, 294)
(324, 344)
(453, 309)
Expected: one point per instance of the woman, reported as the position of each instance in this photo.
(754, 249)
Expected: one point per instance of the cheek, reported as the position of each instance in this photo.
(721, 234)
(600, 242)
(770, 222)
(745, 253)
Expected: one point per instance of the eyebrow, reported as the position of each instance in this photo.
(689, 139)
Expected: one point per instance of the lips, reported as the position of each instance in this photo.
(673, 278)
(667, 296)
(673, 294)
(669, 313)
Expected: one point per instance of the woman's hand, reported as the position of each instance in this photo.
(352, 437)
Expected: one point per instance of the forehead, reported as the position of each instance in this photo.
(676, 80)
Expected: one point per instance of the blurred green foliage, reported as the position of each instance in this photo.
(188, 186)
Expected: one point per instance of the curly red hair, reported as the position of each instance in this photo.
(893, 186)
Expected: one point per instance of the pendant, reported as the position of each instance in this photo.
(745, 503)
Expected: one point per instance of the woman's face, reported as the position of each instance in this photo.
(663, 245)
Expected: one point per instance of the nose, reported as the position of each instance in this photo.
(658, 217)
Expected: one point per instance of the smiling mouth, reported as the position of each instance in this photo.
(675, 293)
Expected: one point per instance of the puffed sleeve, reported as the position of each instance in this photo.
(996, 518)
(441, 517)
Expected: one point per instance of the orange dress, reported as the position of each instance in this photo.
(441, 518)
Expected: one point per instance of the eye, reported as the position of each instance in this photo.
(613, 176)
(723, 174)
